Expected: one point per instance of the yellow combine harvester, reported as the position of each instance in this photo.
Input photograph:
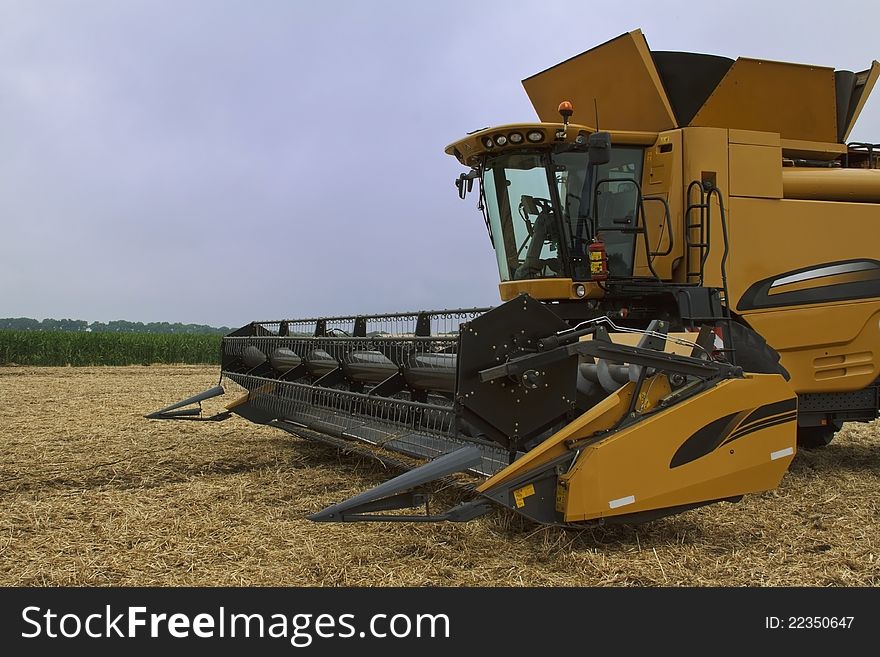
(688, 290)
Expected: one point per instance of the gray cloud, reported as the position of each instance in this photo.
(218, 162)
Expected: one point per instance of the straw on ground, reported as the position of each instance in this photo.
(93, 494)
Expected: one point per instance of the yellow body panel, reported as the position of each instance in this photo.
(661, 178)
(548, 288)
(825, 346)
(753, 138)
(638, 104)
(815, 150)
(772, 97)
(856, 185)
(796, 101)
(755, 170)
(630, 471)
(600, 417)
(471, 148)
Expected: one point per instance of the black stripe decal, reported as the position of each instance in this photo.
(745, 428)
(766, 424)
(751, 425)
(758, 296)
(768, 410)
(730, 427)
(706, 440)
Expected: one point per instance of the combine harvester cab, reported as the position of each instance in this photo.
(651, 354)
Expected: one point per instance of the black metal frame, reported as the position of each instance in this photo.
(861, 147)
(337, 346)
(398, 493)
(602, 347)
(178, 410)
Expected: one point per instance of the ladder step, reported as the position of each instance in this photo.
(702, 246)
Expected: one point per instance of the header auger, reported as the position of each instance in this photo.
(686, 293)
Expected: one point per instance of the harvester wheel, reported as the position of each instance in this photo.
(815, 437)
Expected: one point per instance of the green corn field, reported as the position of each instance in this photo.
(84, 348)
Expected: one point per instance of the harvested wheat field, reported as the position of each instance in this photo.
(93, 494)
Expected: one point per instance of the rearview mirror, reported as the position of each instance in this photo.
(599, 147)
(465, 182)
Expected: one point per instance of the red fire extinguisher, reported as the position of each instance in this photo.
(598, 260)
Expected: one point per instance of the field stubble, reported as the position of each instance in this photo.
(93, 494)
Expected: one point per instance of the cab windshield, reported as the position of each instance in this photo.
(534, 238)
(522, 216)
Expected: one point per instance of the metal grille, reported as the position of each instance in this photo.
(857, 400)
(435, 322)
(421, 430)
(340, 349)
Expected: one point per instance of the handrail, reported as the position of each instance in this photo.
(640, 229)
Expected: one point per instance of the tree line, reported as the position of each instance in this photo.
(116, 326)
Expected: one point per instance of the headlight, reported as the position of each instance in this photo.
(515, 137)
(580, 291)
(488, 143)
(535, 136)
(501, 140)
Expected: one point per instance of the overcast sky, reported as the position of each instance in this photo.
(224, 161)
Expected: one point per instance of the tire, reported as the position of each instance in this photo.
(815, 437)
